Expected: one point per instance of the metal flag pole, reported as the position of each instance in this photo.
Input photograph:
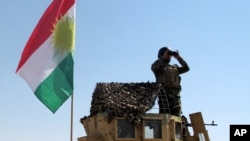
(71, 118)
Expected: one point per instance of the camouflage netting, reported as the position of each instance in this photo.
(128, 100)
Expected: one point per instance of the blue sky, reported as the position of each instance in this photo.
(117, 41)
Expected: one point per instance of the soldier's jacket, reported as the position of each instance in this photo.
(169, 75)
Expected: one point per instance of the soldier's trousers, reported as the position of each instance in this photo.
(169, 101)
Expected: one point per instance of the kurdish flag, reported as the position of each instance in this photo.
(46, 62)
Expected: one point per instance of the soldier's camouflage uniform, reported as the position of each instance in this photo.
(169, 76)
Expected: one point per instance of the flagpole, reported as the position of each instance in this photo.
(71, 118)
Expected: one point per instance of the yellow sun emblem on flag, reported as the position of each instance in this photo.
(64, 35)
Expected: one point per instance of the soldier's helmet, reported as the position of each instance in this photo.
(162, 50)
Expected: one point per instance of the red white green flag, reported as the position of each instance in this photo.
(47, 61)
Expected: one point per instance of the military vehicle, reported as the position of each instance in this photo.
(119, 113)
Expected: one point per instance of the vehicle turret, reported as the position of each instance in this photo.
(119, 113)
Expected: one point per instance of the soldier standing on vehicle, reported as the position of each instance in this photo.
(169, 76)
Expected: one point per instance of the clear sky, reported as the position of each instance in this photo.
(117, 41)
